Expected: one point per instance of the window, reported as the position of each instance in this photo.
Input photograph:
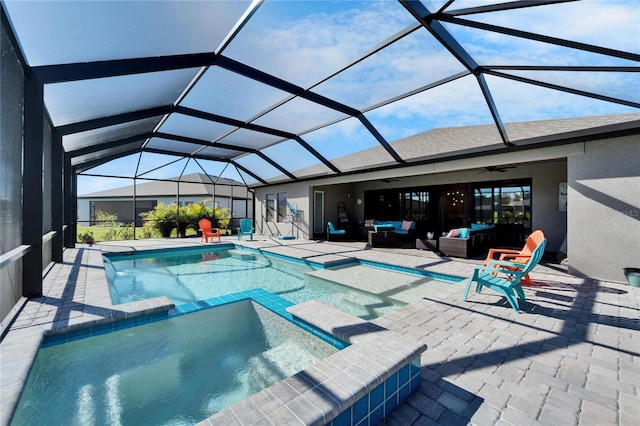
(282, 206)
(277, 207)
(414, 205)
(271, 208)
(507, 203)
(483, 205)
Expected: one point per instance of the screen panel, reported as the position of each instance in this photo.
(224, 93)
(75, 101)
(61, 32)
(411, 62)
(116, 132)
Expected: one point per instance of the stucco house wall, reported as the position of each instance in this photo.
(601, 223)
(296, 194)
(546, 178)
(604, 208)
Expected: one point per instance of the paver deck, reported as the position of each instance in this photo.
(571, 358)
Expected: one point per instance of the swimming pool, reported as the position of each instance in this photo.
(175, 370)
(188, 275)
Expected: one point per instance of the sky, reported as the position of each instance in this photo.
(306, 41)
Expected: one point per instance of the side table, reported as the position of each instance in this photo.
(426, 244)
(381, 238)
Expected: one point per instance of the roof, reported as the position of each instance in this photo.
(264, 92)
(196, 184)
(441, 144)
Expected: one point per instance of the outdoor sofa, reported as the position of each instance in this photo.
(405, 229)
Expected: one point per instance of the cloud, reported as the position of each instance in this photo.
(524, 102)
(613, 24)
(304, 46)
(342, 138)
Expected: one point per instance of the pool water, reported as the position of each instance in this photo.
(190, 275)
(174, 371)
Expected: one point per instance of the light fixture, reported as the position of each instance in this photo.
(359, 201)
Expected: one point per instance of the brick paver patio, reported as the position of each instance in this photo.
(572, 357)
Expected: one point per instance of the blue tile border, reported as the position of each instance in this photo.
(412, 271)
(274, 303)
(373, 407)
(270, 301)
(151, 251)
(56, 339)
(333, 264)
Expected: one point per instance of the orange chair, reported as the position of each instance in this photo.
(208, 231)
(518, 256)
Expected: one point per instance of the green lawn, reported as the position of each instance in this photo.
(114, 233)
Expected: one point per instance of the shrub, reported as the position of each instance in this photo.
(192, 213)
(110, 234)
(126, 232)
(162, 218)
(106, 219)
(222, 216)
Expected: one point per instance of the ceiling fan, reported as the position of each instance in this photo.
(500, 169)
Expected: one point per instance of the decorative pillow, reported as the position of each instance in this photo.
(406, 225)
(453, 233)
(369, 223)
(464, 232)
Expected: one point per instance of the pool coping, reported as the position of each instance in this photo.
(79, 299)
(321, 392)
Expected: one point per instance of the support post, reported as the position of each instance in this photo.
(69, 218)
(135, 217)
(32, 193)
(57, 196)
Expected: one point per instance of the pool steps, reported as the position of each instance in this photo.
(244, 255)
(359, 385)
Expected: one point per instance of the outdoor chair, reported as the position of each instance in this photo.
(504, 277)
(245, 228)
(518, 256)
(331, 230)
(208, 231)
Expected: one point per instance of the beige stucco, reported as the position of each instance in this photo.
(604, 208)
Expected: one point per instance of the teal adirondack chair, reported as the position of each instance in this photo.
(246, 228)
(504, 277)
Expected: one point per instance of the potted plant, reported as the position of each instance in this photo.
(633, 276)
(86, 237)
